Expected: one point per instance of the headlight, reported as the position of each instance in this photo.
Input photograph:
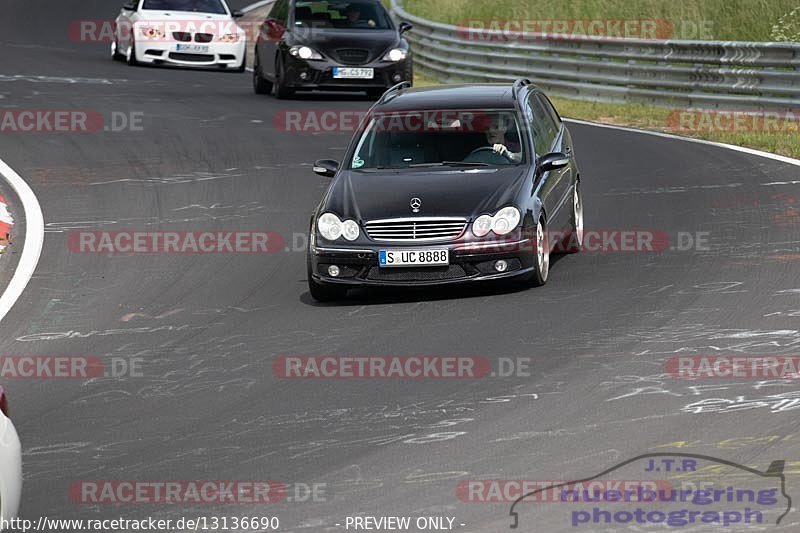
(502, 223)
(149, 32)
(331, 228)
(304, 52)
(230, 38)
(482, 226)
(505, 220)
(396, 54)
(350, 230)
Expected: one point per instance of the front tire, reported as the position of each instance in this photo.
(541, 256)
(573, 242)
(260, 84)
(115, 55)
(131, 56)
(282, 91)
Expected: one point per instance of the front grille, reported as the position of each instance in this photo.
(199, 58)
(416, 274)
(352, 56)
(203, 37)
(416, 229)
(182, 36)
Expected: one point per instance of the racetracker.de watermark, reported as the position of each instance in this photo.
(69, 121)
(399, 367)
(68, 367)
(531, 29)
(188, 492)
(509, 490)
(175, 242)
(734, 367)
(731, 121)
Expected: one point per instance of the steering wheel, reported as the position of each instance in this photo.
(488, 149)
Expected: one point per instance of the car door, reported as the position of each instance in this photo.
(547, 138)
(270, 36)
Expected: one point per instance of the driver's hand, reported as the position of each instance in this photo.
(500, 149)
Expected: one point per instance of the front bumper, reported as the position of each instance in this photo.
(469, 262)
(229, 55)
(318, 75)
(10, 469)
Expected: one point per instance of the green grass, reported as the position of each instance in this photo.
(783, 141)
(730, 20)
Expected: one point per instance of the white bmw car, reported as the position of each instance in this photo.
(189, 33)
(10, 464)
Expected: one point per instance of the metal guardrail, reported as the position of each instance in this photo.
(697, 74)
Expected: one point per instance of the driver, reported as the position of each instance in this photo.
(496, 136)
(353, 14)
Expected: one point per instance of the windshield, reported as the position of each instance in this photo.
(215, 7)
(341, 14)
(471, 138)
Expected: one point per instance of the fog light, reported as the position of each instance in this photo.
(334, 271)
(397, 78)
(501, 265)
(304, 76)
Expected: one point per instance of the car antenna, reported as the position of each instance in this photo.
(402, 85)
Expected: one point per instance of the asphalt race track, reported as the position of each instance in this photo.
(207, 328)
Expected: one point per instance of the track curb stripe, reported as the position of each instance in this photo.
(34, 239)
(6, 224)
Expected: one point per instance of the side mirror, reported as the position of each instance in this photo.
(553, 161)
(404, 27)
(237, 14)
(130, 6)
(326, 167)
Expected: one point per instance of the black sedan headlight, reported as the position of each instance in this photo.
(395, 55)
(332, 228)
(501, 223)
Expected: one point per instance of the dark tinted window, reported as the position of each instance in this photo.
(280, 11)
(544, 128)
(197, 6)
(548, 105)
(356, 14)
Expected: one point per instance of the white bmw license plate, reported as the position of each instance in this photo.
(412, 258)
(353, 73)
(193, 48)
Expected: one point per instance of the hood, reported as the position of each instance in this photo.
(328, 41)
(365, 196)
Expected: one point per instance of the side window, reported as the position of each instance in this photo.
(543, 128)
(280, 11)
(551, 110)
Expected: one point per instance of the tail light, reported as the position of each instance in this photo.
(3, 402)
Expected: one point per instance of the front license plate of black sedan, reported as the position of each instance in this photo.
(413, 258)
(353, 73)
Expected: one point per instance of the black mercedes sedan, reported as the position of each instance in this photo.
(351, 45)
(448, 184)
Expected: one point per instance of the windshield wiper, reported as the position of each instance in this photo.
(448, 164)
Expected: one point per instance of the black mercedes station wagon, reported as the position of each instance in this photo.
(448, 185)
(351, 45)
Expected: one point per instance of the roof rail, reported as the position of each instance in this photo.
(519, 84)
(393, 89)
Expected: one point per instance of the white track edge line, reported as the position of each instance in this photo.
(34, 239)
(750, 151)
